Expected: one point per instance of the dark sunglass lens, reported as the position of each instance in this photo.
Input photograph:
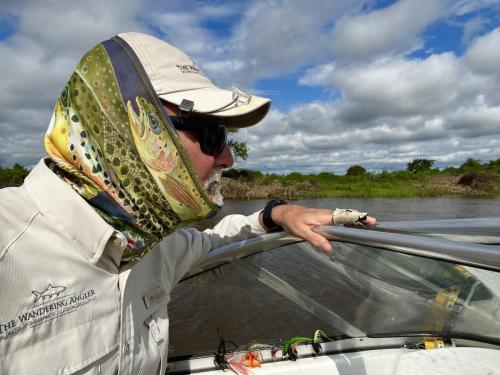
(213, 139)
(211, 135)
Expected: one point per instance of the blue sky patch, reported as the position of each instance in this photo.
(8, 25)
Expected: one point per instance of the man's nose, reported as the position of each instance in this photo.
(225, 158)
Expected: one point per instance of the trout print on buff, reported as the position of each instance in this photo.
(160, 155)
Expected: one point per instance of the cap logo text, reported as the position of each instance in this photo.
(186, 68)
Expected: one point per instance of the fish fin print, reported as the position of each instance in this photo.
(179, 192)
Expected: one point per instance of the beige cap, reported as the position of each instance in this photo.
(177, 78)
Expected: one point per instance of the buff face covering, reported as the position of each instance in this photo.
(111, 140)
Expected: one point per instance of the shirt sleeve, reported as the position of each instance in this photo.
(186, 247)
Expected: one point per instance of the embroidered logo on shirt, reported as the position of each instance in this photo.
(155, 297)
(48, 293)
(49, 304)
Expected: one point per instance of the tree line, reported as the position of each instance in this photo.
(425, 166)
(13, 176)
(471, 169)
(416, 166)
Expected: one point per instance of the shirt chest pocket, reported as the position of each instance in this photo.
(154, 331)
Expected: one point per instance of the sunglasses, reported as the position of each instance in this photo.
(210, 134)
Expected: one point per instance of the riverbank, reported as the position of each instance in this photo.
(471, 180)
(400, 184)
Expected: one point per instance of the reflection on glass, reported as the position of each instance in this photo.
(373, 291)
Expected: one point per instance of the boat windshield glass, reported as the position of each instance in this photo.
(355, 291)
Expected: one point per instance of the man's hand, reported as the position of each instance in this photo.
(299, 221)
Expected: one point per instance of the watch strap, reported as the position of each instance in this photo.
(267, 220)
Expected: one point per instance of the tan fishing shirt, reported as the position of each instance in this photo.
(66, 305)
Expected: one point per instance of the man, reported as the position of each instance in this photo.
(89, 250)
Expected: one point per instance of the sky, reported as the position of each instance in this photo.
(374, 83)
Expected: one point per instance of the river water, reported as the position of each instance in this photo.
(387, 209)
(227, 298)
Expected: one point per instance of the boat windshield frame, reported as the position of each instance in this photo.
(470, 242)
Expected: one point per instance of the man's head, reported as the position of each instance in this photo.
(199, 110)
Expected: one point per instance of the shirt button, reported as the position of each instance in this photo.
(126, 348)
(119, 240)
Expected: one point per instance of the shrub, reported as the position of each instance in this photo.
(419, 165)
(356, 170)
(296, 176)
(241, 174)
(450, 170)
(479, 181)
(325, 175)
(494, 166)
(471, 165)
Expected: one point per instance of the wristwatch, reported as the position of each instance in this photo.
(267, 220)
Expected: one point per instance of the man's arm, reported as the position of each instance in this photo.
(186, 247)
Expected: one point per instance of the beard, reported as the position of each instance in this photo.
(212, 187)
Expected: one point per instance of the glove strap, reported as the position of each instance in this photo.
(347, 216)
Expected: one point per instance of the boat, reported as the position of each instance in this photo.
(397, 298)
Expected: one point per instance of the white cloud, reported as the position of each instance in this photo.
(39, 58)
(385, 144)
(463, 7)
(185, 30)
(277, 37)
(394, 110)
(477, 121)
(71, 28)
(484, 54)
(185, 25)
(394, 87)
(472, 28)
(392, 30)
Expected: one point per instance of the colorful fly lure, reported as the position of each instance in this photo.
(290, 345)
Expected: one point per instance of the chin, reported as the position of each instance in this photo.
(212, 187)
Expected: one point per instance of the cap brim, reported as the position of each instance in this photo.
(213, 101)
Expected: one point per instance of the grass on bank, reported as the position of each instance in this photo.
(471, 179)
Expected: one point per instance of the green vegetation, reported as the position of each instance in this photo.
(240, 149)
(419, 165)
(356, 170)
(471, 179)
(13, 176)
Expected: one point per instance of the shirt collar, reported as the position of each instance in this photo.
(67, 211)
